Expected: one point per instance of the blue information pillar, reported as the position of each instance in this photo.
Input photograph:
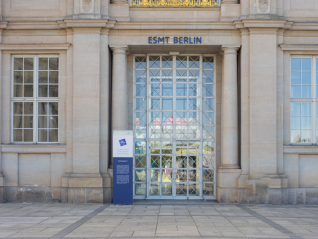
(122, 167)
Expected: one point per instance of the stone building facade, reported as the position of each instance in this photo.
(221, 98)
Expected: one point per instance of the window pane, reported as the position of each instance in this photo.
(306, 91)
(167, 90)
(208, 90)
(17, 122)
(54, 64)
(181, 103)
(295, 123)
(42, 122)
(42, 108)
(53, 108)
(28, 135)
(306, 64)
(43, 90)
(17, 135)
(306, 122)
(53, 135)
(208, 63)
(28, 108)
(140, 189)
(295, 91)
(306, 78)
(181, 90)
(306, 136)
(18, 77)
(42, 135)
(28, 77)
(54, 77)
(43, 64)
(167, 104)
(28, 122)
(306, 109)
(28, 63)
(18, 91)
(141, 90)
(18, 64)
(155, 90)
(295, 136)
(295, 108)
(53, 92)
(28, 90)
(53, 122)
(295, 78)
(17, 108)
(43, 76)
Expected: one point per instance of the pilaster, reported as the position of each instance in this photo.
(229, 171)
(119, 88)
(85, 182)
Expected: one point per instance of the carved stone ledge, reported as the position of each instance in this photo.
(119, 1)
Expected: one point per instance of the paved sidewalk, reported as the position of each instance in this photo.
(153, 220)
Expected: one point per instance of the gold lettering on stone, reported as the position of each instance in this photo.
(175, 3)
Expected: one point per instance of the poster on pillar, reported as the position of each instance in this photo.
(123, 143)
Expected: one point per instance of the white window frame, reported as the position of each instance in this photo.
(313, 100)
(35, 99)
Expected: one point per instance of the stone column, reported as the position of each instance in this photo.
(119, 89)
(229, 171)
(230, 110)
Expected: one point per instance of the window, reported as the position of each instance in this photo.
(304, 94)
(35, 99)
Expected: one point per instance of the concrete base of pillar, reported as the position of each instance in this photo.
(227, 184)
(82, 188)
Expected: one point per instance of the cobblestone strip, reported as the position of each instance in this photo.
(271, 223)
(75, 225)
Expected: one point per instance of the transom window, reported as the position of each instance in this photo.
(35, 87)
(174, 126)
(304, 104)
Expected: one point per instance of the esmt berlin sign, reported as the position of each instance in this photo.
(123, 167)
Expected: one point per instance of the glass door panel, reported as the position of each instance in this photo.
(174, 117)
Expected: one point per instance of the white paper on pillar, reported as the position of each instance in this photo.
(123, 144)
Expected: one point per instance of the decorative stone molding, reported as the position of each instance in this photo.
(263, 6)
(87, 6)
(119, 1)
(229, 2)
(35, 46)
(299, 47)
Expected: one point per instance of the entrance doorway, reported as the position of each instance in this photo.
(174, 126)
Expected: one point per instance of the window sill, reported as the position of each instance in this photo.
(33, 148)
(300, 149)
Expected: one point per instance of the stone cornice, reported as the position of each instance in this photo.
(262, 24)
(30, 148)
(174, 26)
(56, 25)
(299, 47)
(300, 149)
(103, 23)
(304, 26)
(35, 46)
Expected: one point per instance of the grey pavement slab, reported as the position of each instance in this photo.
(189, 219)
